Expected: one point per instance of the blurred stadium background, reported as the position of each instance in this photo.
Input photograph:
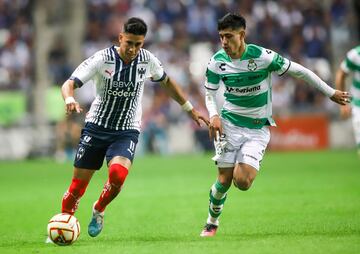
(42, 41)
(304, 202)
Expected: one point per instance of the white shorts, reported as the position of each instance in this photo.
(243, 145)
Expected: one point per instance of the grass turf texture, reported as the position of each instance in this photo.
(300, 203)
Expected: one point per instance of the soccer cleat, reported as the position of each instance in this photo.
(209, 230)
(96, 223)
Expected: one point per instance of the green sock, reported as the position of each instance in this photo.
(217, 199)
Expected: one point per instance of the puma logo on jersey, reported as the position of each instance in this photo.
(110, 72)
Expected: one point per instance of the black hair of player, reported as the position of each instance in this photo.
(233, 21)
(135, 26)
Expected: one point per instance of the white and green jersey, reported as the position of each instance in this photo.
(352, 64)
(247, 84)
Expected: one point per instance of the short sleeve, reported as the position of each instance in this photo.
(278, 64)
(212, 77)
(349, 63)
(87, 69)
(157, 72)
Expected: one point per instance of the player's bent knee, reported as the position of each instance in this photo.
(225, 181)
(117, 174)
(242, 183)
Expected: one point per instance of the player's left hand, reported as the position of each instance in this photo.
(72, 106)
(341, 97)
(198, 118)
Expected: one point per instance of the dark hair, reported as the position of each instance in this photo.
(135, 26)
(233, 21)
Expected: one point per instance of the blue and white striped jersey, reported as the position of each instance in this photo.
(119, 86)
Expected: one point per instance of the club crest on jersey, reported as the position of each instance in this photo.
(252, 66)
(141, 72)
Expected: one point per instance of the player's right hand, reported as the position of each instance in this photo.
(215, 126)
(72, 106)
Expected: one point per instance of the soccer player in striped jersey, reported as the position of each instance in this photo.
(241, 129)
(112, 125)
(351, 64)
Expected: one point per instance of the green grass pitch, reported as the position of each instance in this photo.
(305, 202)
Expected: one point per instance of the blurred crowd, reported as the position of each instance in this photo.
(183, 35)
(15, 45)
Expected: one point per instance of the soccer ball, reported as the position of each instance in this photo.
(63, 229)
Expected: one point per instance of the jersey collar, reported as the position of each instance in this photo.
(118, 57)
(243, 56)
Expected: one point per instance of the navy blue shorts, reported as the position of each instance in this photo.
(97, 142)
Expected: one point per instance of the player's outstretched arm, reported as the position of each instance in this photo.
(177, 94)
(299, 71)
(67, 91)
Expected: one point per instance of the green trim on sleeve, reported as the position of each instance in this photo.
(356, 83)
(212, 77)
(277, 63)
(355, 102)
(352, 66)
(358, 49)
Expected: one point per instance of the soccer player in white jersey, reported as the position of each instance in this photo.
(351, 64)
(241, 128)
(113, 122)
